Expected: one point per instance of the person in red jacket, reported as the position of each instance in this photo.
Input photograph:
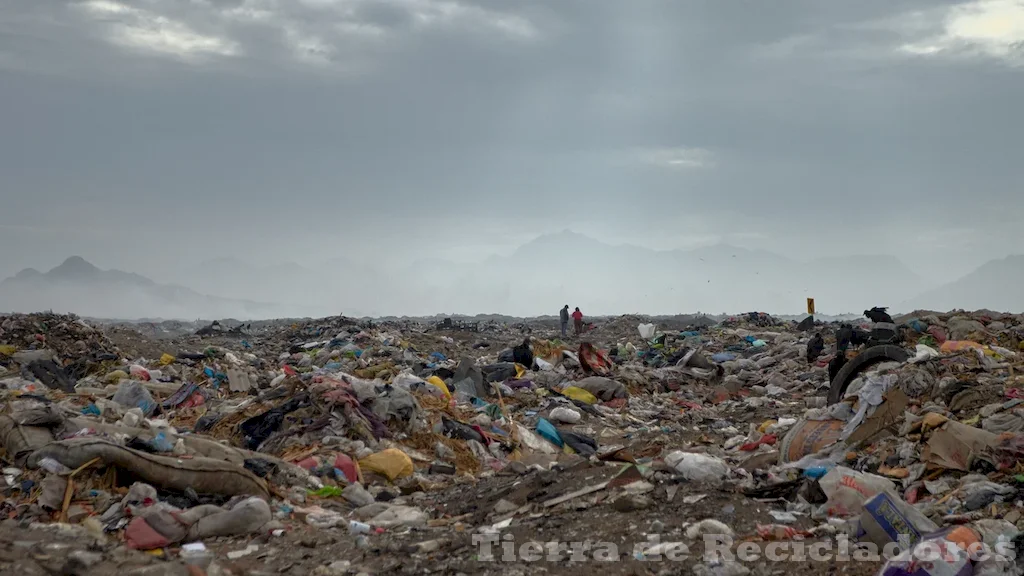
(577, 321)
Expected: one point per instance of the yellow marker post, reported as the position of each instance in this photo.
(810, 306)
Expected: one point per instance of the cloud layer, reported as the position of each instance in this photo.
(140, 133)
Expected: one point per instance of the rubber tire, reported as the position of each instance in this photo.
(863, 361)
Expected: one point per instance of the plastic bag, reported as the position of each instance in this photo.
(133, 394)
(646, 331)
(397, 516)
(924, 353)
(547, 431)
(847, 490)
(391, 463)
(580, 394)
(565, 415)
(871, 394)
(697, 467)
(139, 372)
(534, 442)
(440, 386)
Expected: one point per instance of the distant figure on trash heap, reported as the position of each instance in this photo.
(563, 317)
(577, 321)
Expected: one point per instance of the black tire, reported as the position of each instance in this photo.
(863, 361)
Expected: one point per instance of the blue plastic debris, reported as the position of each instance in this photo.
(548, 431)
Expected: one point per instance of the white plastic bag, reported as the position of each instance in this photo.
(564, 415)
(697, 467)
(924, 353)
(847, 490)
(646, 331)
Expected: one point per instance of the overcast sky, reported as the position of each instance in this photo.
(140, 132)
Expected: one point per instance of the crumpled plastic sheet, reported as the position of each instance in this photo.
(257, 429)
(359, 416)
(917, 381)
(871, 395)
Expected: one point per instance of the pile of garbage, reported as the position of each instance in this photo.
(401, 444)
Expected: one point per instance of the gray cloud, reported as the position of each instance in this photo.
(257, 127)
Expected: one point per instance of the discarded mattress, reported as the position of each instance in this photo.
(204, 475)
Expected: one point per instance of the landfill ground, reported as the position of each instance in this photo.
(343, 446)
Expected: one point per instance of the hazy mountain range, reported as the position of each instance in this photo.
(78, 286)
(536, 279)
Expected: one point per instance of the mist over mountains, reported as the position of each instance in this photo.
(536, 279)
(78, 286)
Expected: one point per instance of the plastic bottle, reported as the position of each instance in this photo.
(355, 527)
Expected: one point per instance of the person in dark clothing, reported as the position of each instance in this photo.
(522, 354)
(577, 321)
(563, 317)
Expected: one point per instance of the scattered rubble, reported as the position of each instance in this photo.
(342, 446)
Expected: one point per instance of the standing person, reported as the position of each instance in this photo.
(563, 316)
(577, 321)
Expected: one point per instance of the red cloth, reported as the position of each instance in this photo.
(141, 536)
(593, 360)
(347, 466)
(577, 315)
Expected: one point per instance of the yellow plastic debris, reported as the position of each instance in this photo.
(116, 376)
(580, 394)
(950, 346)
(932, 420)
(391, 463)
(766, 425)
(166, 359)
(520, 370)
(437, 382)
(7, 350)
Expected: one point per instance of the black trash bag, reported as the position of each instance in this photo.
(456, 429)
(260, 467)
(467, 369)
(257, 429)
(499, 372)
(588, 408)
(80, 368)
(444, 373)
(51, 375)
(206, 422)
(506, 355)
(806, 325)
(142, 445)
(584, 445)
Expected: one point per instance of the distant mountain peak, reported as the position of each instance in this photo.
(28, 273)
(565, 237)
(74, 267)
